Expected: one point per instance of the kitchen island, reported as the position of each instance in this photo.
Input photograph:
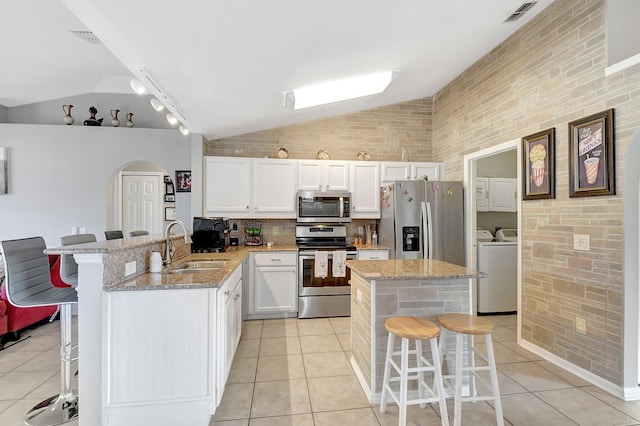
(386, 288)
(154, 348)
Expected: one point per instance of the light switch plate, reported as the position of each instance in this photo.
(581, 325)
(582, 242)
(129, 268)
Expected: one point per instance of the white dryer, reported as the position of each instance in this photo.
(498, 293)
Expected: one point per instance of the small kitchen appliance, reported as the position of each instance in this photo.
(210, 234)
(323, 206)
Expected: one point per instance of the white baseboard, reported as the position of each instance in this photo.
(615, 390)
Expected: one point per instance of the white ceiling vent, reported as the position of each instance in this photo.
(524, 8)
(87, 36)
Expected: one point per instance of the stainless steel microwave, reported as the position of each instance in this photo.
(323, 207)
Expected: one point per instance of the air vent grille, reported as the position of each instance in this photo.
(524, 8)
(87, 36)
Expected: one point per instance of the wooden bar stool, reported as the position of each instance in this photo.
(415, 329)
(468, 326)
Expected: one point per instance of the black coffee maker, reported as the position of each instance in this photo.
(210, 235)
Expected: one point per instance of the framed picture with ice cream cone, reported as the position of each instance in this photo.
(591, 157)
(538, 165)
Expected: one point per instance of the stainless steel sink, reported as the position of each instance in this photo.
(201, 265)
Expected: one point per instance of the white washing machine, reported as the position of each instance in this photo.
(498, 293)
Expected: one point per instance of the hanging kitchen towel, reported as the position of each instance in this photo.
(339, 268)
(321, 263)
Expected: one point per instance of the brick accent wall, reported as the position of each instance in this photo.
(549, 73)
(380, 131)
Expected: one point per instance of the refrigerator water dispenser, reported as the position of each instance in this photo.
(410, 238)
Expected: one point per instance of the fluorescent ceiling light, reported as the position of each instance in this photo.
(137, 86)
(183, 130)
(172, 119)
(156, 104)
(337, 90)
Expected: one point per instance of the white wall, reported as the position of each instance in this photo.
(59, 175)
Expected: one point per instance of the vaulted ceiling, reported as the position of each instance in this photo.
(226, 64)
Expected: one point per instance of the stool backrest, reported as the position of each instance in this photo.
(113, 235)
(138, 233)
(26, 269)
(68, 266)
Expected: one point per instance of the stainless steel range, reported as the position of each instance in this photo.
(320, 295)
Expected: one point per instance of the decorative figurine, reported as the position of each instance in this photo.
(68, 119)
(115, 122)
(129, 119)
(93, 121)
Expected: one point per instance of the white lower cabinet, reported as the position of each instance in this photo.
(196, 331)
(373, 254)
(229, 320)
(274, 283)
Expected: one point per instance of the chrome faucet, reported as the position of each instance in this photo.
(169, 248)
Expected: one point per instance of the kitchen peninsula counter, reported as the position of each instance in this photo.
(134, 326)
(383, 289)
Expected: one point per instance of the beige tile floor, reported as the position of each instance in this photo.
(297, 372)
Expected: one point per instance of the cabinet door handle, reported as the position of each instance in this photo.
(373, 258)
(276, 260)
(226, 293)
(247, 207)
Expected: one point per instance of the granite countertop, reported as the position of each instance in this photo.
(167, 281)
(414, 269)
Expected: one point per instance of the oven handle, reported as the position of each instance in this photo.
(330, 256)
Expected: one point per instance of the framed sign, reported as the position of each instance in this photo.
(168, 188)
(539, 165)
(169, 213)
(183, 180)
(591, 157)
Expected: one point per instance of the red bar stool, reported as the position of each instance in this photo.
(412, 328)
(467, 326)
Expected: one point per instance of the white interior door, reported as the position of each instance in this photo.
(142, 202)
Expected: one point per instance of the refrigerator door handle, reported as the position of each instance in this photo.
(427, 231)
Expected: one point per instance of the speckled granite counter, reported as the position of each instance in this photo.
(116, 253)
(381, 289)
(414, 269)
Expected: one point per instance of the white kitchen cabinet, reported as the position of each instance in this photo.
(248, 188)
(274, 188)
(373, 254)
(503, 195)
(228, 329)
(392, 171)
(228, 186)
(274, 285)
(322, 175)
(482, 194)
(365, 189)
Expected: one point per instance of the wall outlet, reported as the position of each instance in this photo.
(359, 295)
(129, 268)
(581, 325)
(582, 242)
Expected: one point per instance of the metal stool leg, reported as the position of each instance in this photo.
(62, 408)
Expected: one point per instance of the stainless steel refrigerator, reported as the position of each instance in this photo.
(423, 219)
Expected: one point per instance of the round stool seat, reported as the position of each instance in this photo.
(466, 324)
(412, 328)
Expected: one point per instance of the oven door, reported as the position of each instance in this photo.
(310, 285)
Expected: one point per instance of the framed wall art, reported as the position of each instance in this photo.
(169, 213)
(539, 165)
(183, 180)
(168, 188)
(591, 157)
(169, 198)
